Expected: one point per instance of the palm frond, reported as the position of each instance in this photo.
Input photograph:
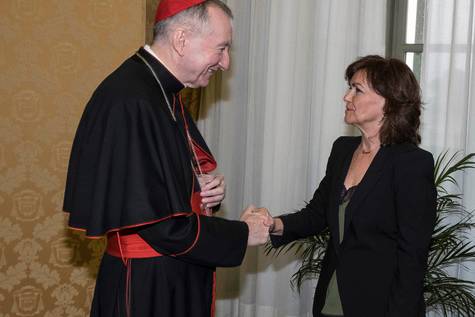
(445, 173)
(449, 295)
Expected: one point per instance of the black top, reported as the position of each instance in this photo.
(130, 161)
(130, 168)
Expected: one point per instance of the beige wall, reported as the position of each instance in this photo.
(53, 53)
(151, 10)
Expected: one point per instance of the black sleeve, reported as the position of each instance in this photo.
(310, 220)
(416, 210)
(208, 241)
(307, 222)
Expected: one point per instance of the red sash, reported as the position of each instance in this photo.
(129, 246)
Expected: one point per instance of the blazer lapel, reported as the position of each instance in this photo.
(341, 170)
(370, 178)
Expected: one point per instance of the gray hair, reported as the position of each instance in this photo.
(193, 18)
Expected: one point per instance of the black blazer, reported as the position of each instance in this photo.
(389, 221)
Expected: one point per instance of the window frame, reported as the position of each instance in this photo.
(396, 45)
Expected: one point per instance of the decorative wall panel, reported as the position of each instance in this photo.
(53, 53)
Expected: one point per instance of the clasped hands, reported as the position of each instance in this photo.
(259, 220)
(260, 223)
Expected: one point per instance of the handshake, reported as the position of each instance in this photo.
(260, 223)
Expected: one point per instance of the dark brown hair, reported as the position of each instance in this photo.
(393, 80)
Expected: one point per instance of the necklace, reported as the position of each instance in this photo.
(188, 137)
(159, 83)
(368, 151)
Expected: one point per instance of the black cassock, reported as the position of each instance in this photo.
(131, 172)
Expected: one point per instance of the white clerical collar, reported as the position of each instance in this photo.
(151, 52)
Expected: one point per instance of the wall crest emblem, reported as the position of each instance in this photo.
(65, 58)
(26, 106)
(27, 301)
(27, 205)
(65, 252)
(61, 155)
(26, 10)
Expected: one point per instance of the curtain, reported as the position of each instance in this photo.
(448, 87)
(271, 121)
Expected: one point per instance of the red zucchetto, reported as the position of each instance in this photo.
(168, 8)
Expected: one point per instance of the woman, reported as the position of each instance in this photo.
(377, 198)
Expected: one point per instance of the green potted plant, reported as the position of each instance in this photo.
(449, 246)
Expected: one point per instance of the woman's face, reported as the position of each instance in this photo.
(364, 107)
